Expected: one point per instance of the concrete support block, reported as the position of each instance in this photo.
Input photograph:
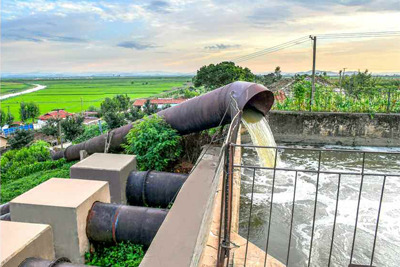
(113, 168)
(23, 240)
(64, 204)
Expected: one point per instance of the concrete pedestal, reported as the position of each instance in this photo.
(64, 205)
(113, 168)
(19, 241)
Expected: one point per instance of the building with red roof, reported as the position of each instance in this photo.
(56, 114)
(60, 113)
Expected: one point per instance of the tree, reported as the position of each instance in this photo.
(277, 73)
(362, 82)
(9, 118)
(134, 114)
(23, 111)
(33, 111)
(213, 76)
(51, 127)
(72, 127)
(20, 139)
(149, 108)
(270, 78)
(117, 103)
(2, 118)
(122, 101)
(108, 105)
(28, 111)
(114, 119)
(154, 143)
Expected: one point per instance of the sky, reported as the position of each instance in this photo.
(181, 36)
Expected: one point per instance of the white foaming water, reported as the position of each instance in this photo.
(261, 135)
(388, 237)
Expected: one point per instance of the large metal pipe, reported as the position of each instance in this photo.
(153, 188)
(113, 223)
(38, 262)
(5, 217)
(196, 114)
(5, 208)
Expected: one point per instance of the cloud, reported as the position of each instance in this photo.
(221, 46)
(159, 7)
(42, 28)
(265, 16)
(135, 45)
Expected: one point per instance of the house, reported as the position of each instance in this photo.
(160, 102)
(59, 113)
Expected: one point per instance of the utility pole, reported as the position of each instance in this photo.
(81, 106)
(59, 128)
(314, 39)
(341, 80)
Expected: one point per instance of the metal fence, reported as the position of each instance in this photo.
(336, 179)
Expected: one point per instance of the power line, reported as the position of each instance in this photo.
(269, 51)
(273, 47)
(301, 40)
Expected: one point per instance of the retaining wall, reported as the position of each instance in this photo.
(350, 129)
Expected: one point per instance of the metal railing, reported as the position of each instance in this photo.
(311, 259)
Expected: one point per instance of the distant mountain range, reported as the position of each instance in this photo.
(32, 75)
(55, 75)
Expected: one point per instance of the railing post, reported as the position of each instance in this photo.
(227, 204)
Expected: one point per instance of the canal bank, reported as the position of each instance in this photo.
(335, 128)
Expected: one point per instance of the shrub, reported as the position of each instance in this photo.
(20, 139)
(121, 254)
(22, 158)
(154, 143)
(90, 131)
(72, 127)
(19, 186)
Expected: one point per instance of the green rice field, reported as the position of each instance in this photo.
(13, 87)
(75, 95)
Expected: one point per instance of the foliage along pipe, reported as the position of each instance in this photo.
(153, 188)
(113, 223)
(196, 114)
(38, 262)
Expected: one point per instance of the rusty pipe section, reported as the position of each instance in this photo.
(5, 217)
(38, 262)
(113, 223)
(153, 188)
(207, 111)
(196, 114)
(5, 208)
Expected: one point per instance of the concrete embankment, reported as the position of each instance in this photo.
(329, 128)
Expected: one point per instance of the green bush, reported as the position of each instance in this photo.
(24, 170)
(154, 143)
(90, 132)
(21, 138)
(19, 186)
(18, 158)
(121, 254)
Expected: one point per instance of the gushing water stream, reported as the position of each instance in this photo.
(387, 251)
(261, 135)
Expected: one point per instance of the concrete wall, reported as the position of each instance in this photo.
(182, 236)
(352, 129)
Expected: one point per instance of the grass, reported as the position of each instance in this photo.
(13, 87)
(68, 93)
(121, 254)
(14, 188)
